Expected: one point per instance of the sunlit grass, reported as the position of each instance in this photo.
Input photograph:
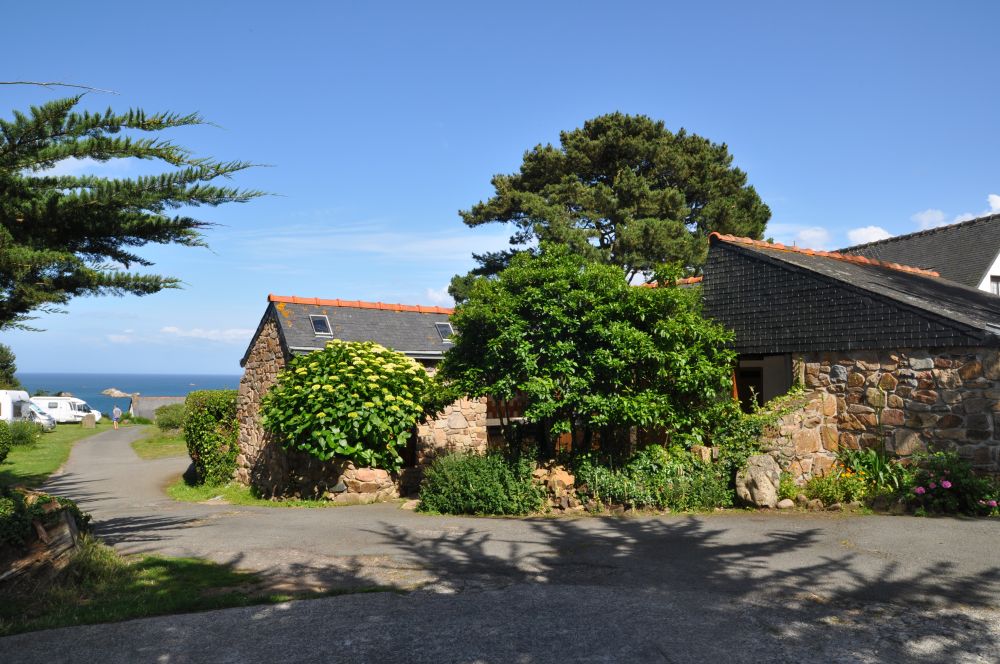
(32, 464)
(157, 444)
(234, 494)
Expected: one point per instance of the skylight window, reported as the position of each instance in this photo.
(321, 325)
(446, 331)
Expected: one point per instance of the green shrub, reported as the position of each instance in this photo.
(944, 483)
(210, 431)
(134, 419)
(883, 474)
(170, 418)
(787, 488)
(838, 486)
(474, 484)
(24, 433)
(5, 440)
(656, 478)
(358, 401)
(16, 515)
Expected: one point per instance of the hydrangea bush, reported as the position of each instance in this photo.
(354, 400)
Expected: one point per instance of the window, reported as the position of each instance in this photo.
(53, 405)
(446, 331)
(995, 285)
(321, 325)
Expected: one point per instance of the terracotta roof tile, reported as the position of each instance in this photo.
(359, 304)
(860, 260)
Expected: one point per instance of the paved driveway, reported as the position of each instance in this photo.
(734, 587)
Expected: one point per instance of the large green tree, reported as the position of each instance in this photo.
(63, 236)
(622, 190)
(8, 367)
(584, 348)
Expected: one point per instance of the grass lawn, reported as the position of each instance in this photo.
(234, 494)
(32, 464)
(157, 444)
(100, 585)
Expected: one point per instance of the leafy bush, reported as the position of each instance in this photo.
(210, 431)
(840, 485)
(170, 418)
(883, 474)
(358, 401)
(474, 484)
(135, 419)
(656, 478)
(943, 482)
(17, 513)
(5, 440)
(787, 488)
(23, 432)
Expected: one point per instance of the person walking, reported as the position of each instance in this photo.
(116, 415)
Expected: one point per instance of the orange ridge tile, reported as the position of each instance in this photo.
(359, 304)
(860, 260)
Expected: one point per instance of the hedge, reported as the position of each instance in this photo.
(170, 418)
(5, 440)
(479, 484)
(210, 430)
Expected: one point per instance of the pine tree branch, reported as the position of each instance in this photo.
(57, 84)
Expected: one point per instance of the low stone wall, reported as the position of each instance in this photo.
(909, 401)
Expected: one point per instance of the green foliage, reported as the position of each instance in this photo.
(584, 348)
(883, 474)
(17, 514)
(135, 419)
(62, 236)
(656, 478)
(210, 430)
(355, 400)
(837, 486)
(474, 484)
(23, 432)
(943, 483)
(8, 367)
(622, 190)
(787, 488)
(5, 440)
(170, 417)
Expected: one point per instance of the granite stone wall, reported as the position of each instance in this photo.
(909, 401)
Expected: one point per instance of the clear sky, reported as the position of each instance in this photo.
(379, 121)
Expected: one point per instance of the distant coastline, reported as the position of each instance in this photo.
(88, 386)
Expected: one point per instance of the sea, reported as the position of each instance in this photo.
(89, 386)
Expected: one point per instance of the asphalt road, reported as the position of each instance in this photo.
(731, 587)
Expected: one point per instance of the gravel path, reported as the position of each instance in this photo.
(735, 587)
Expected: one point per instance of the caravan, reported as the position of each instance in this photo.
(66, 409)
(15, 406)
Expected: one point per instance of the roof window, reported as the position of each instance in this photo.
(446, 331)
(321, 325)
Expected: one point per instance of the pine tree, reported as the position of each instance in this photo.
(63, 236)
(622, 190)
(8, 367)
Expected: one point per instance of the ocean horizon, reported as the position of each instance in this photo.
(88, 386)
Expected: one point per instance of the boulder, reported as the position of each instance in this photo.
(757, 484)
(786, 504)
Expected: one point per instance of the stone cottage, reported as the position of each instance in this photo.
(895, 355)
(295, 325)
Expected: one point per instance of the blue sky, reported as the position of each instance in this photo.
(379, 121)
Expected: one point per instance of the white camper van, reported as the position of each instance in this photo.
(65, 409)
(15, 405)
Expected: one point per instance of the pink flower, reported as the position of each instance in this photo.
(945, 484)
(920, 490)
(992, 503)
(932, 485)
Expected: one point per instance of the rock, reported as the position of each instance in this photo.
(410, 505)
(835, 507)
(457, 421)
(815, 504)
(89, 421)
(786, 504)
(906, 442)
(855, 505)
(757, 484)
(838, 373)
(365, 475)
(887, 382)
(971, 370)
(702, 453)
(921, 363)
(991, 365)
(801, 499)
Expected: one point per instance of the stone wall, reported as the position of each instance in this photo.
(273, 470)
(805, 441)
(909, 401)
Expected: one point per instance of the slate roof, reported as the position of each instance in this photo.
(146, 406)
(409, 329)
(962, 252)
(782, 299)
